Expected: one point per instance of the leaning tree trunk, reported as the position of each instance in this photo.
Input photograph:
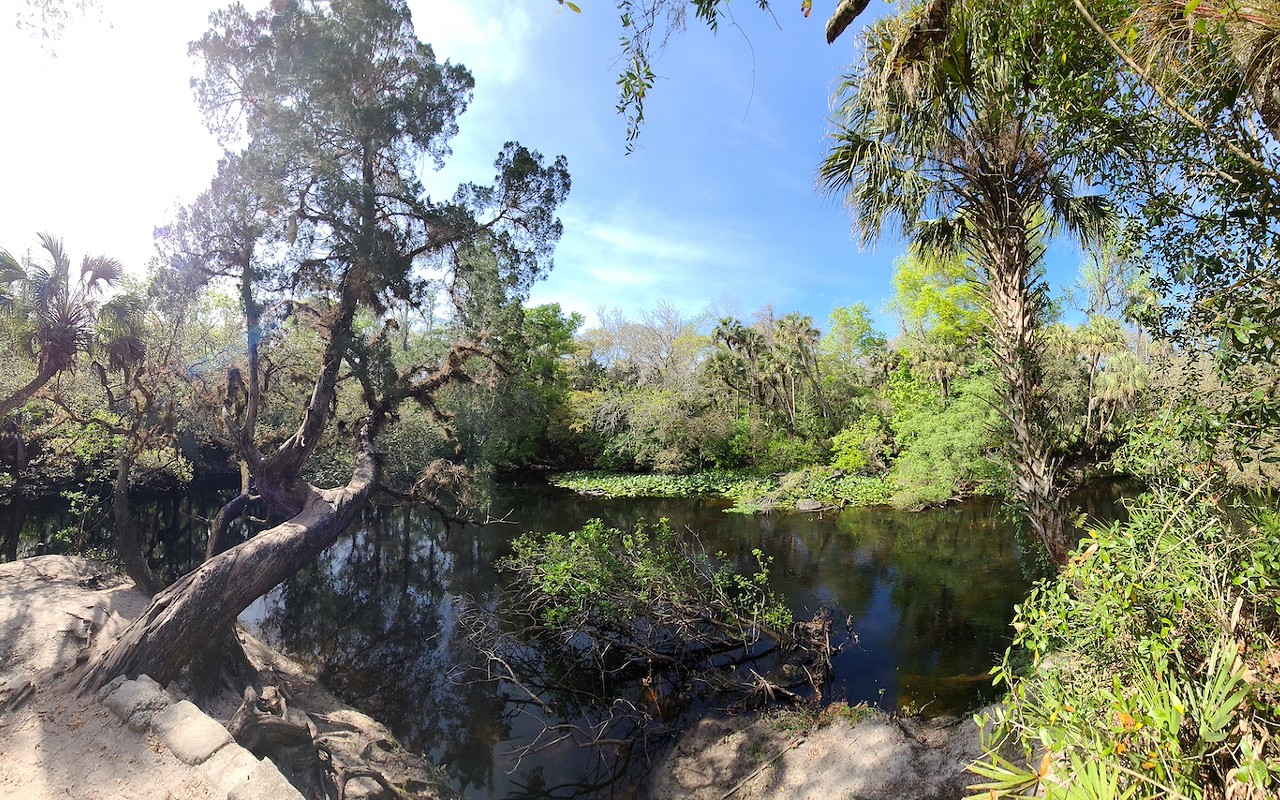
(180, 621)
(128, 540)
(27, 391)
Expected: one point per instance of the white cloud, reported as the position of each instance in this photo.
(631, 257)
(643, 244)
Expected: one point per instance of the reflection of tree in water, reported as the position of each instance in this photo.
(931, 594)
(377, 622)
(955, 574)
(607, 639)
(954, 579)
(177, 530)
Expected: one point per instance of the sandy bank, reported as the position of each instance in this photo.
(859, 755)
(56, 612)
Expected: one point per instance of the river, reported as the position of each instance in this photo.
(921, 604)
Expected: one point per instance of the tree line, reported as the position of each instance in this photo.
(325, 333)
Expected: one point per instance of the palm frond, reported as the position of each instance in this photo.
(1090, 219)
(122, 311)
(53, 245)
(42, 288)
(849, 152)
(124, 351)
(10, 270)
(102, 268)
(941, 238)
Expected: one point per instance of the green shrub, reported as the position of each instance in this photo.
(860, 447)
(785, 453)
(1146, 669)
(947, 451)
(605, 578)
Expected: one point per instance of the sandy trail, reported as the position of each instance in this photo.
(54, 612)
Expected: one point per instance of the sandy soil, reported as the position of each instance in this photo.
(880, 757)
(54, 612)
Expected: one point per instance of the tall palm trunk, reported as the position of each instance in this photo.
(1013, 306)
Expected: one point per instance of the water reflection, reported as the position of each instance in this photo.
(377, 620)
(922, 603)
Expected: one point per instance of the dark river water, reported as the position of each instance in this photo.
(921, 604)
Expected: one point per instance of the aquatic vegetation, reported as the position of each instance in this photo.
(623, 484)
(811, 489)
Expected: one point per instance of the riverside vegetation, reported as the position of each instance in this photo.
(288, 341)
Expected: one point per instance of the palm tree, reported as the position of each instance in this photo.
(1099, 339)
(50, 315)
(1120, 384)
(940, 133)
(797, 341)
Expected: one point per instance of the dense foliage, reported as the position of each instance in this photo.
(1148, 669)
(318, 330)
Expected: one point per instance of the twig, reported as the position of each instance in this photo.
(796, 742)
(505, 519)
(1171, 103)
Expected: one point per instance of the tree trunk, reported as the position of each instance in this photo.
(181, 619)
(219, 529)
(128, 542)
(25, 393)
(1013, 307)
(1092, 437)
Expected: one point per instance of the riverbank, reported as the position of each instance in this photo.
(56, 612)
(842, 754)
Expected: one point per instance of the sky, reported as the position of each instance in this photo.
(715, 211)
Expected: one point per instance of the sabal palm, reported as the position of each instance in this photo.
(1215, 52)
(939, 134)
(798, 342)
(51, 315)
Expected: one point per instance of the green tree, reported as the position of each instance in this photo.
(337, 106)
(942, 132)
(48, 313)
(521, 418)
(1178, 141)
(851, 338)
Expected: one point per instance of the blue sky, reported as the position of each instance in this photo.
(716, 208)
(717, 205)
